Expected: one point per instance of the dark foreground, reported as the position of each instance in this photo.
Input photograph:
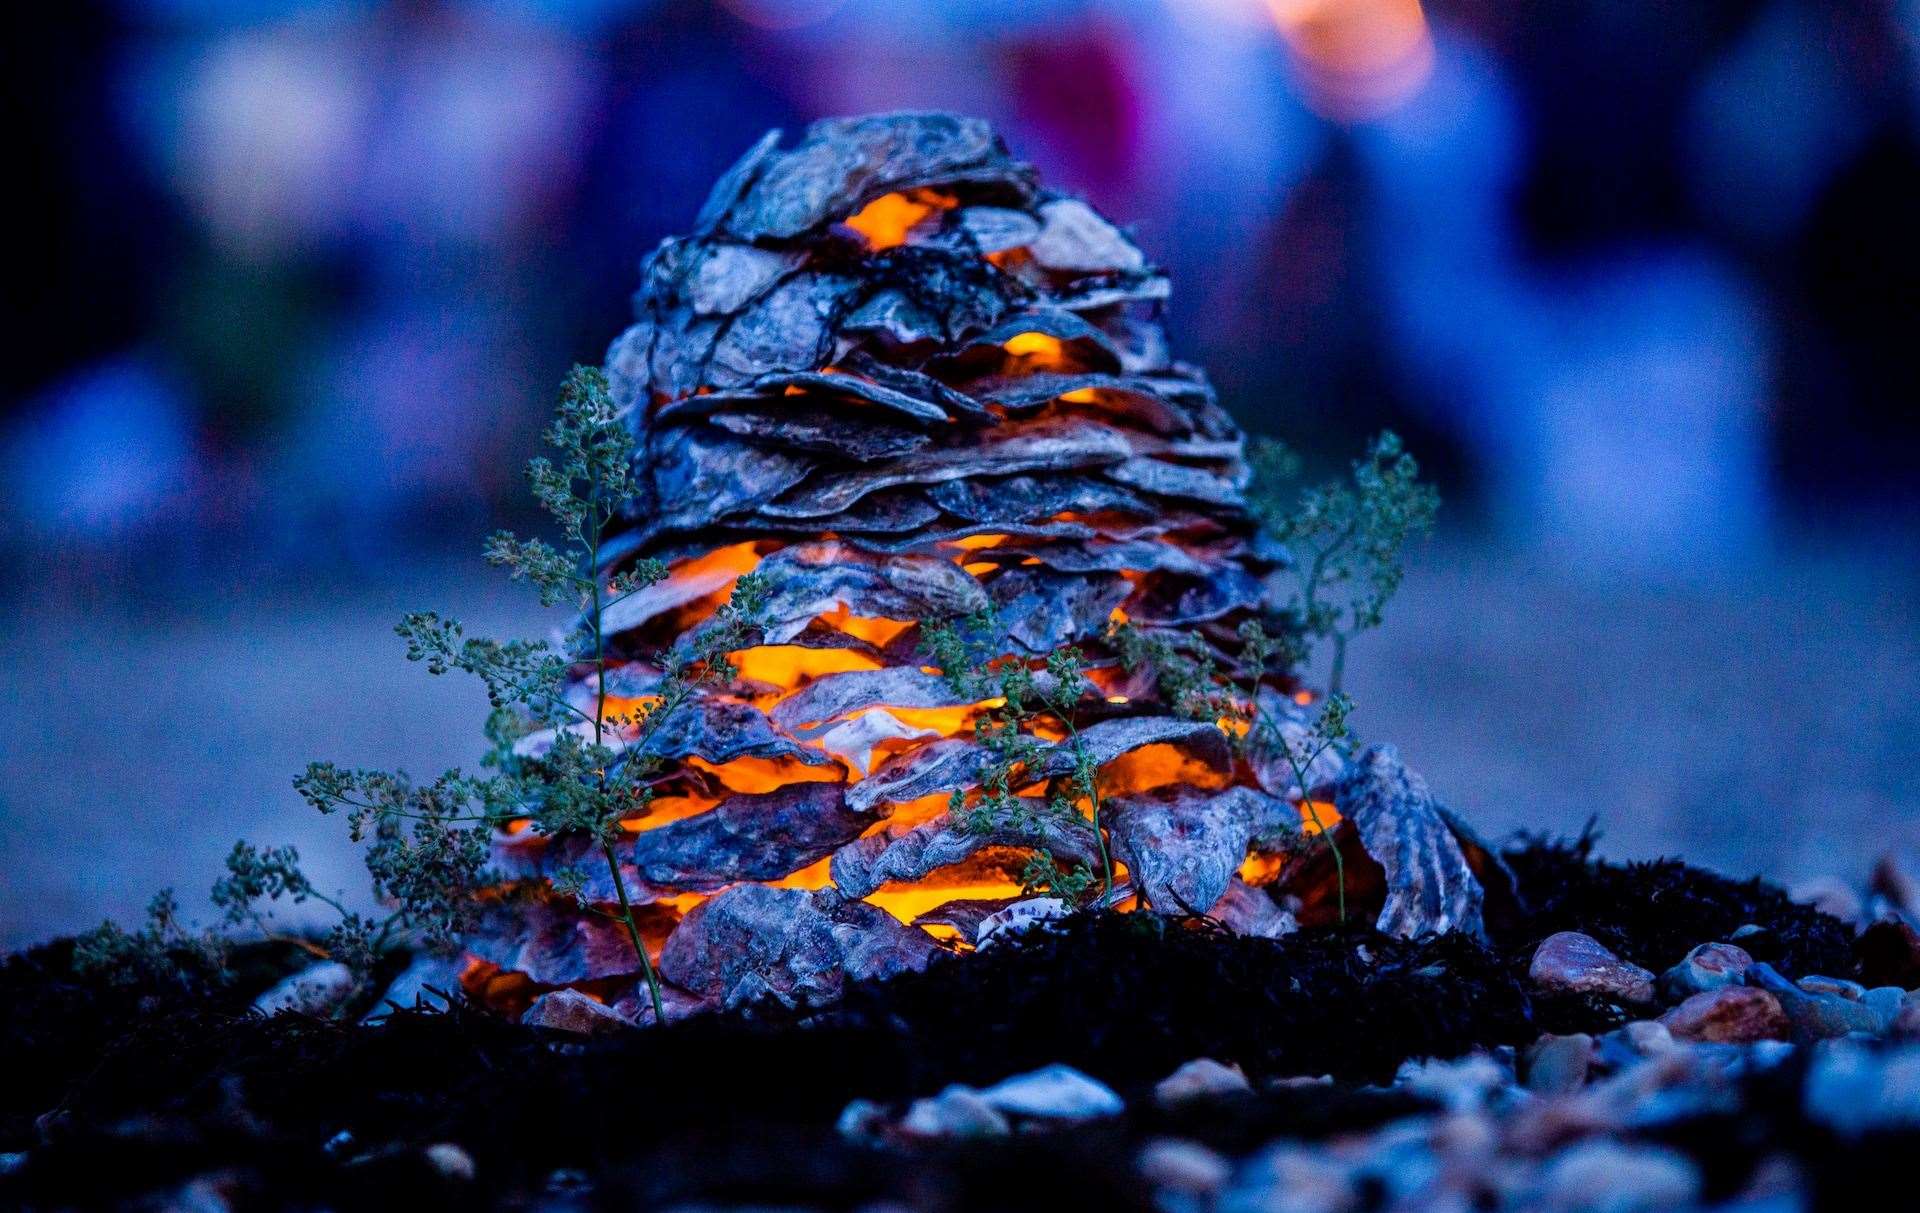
(157, 1095)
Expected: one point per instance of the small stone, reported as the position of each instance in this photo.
(956, 1112)
(1906, 1022)
(1201, 1078)
(1650, 1037)
(1294, 1179)
(1462, 1084)
(1054, 1092)
(1710, 966)
(861, 1119)
(572, 1011)
(1734, 1015)
(449, 1160)
(1854, 1088)
(1886, 1003)
(1839, 987)
(1609, 1177)
(1830, 895)
(1816, 1016)
(1557, 1065)
(1017, 919)
(1184, 1167)
(318, 990)
(1572, 963)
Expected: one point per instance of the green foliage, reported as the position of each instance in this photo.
(1347, 538)
(965, 650)
(1185, 673)
(161, 949)
(427, 843)
(574, 768)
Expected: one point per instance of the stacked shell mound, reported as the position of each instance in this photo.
(904, 382)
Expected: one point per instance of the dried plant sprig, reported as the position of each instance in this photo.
(427, 845)
(965, 652)
(1347, 538)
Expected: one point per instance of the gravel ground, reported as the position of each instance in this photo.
(1759, 723)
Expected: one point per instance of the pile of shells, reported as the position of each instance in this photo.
(894, 374)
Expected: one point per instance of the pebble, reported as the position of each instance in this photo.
(1854, 1088)
(1572, 963)
(1886, 1003)
(1610, 1177)
(1837, 986)
(1289, 1178)
(1736, 1015)
(1201, 1078)
(317, 990)
(1816, 1016)
(956, 1112)
(1710, 966)
(861, 1118)
(1054, 1092)
(1017, 919)
(572, 1011)
(450, 1161)
(1558, 1065)
(1184, 1166)
(1461, 1084)
(1906, 1022)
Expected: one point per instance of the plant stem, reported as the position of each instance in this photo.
(1339, 662)
(1339, 864)
(599, 728)
(633, 933)
(1084, 775)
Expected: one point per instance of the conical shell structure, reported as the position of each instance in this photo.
(896, 375)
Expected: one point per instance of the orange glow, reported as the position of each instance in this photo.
(948, 722)
(1357, 58)
(813, 876)
(975, 542)
(1117, 617)
(666, 809)
(908, 901)
(705, 582)
(1303, 698)
(1039, 352)
(980, 568)
(1157, 766)
(910, 813)
(790, 666)
(624, 706)
(1118, 699)
(1261, 869)
(876, 632)
(766, 774)
(889, 219)
(1317, 816)
(1085, 395)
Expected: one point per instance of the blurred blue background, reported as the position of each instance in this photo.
(291, 283)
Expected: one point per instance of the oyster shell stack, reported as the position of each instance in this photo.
(895, 374)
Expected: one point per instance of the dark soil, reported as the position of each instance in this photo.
(165, 1084)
